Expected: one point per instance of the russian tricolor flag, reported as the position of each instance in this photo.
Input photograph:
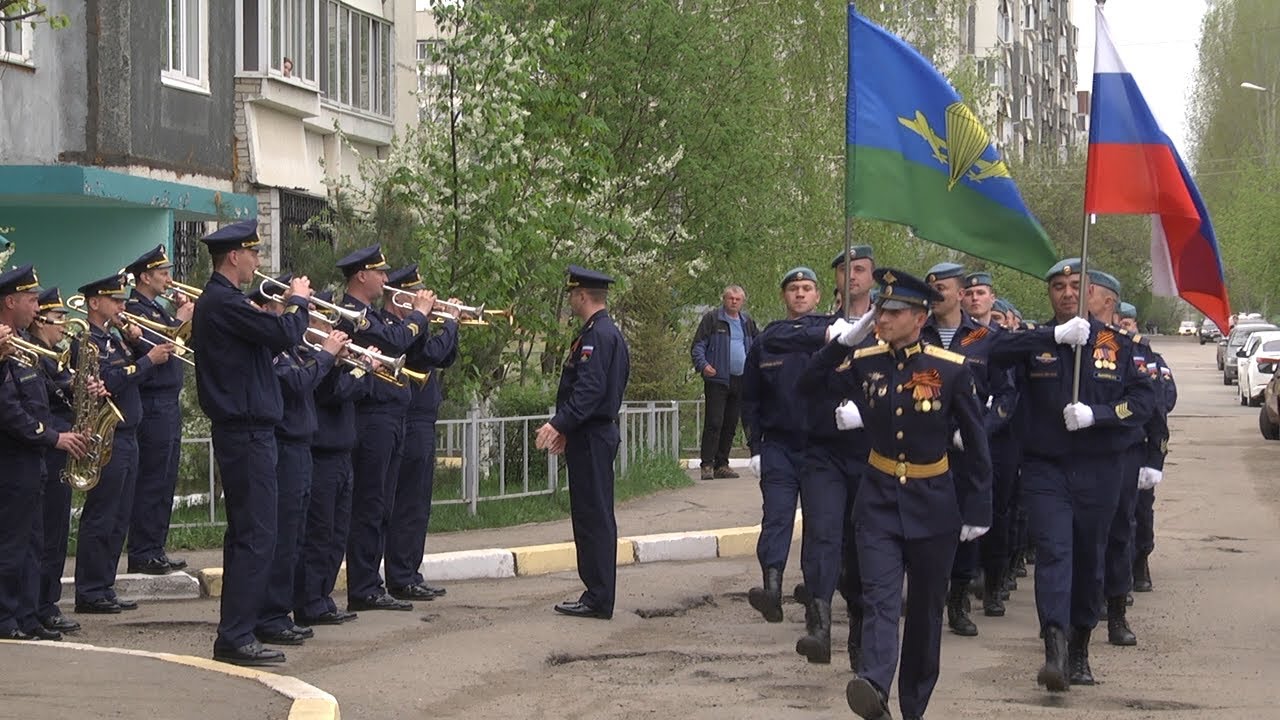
(1134, 169)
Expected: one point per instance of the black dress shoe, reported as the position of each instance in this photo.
(40, 632)
(412, 592)
(101, 606)
(283, 637)
(251, 655)
(16, 634)
(305, 633)
(434, 589)
(345, 616)
(61, 623)
(174, 564)
(125, 604)
(324, 618)
(154, 566)
(378, 602)
(577, 608)
(866, 700)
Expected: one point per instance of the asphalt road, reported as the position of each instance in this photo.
(684, 642)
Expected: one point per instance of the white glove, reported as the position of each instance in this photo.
(754, 464)
(858, 330)
(838, 328)
(1077, 416)
(848, 417)
(1148, 478)
(957, 441)
(1072, 332)
(969, 533)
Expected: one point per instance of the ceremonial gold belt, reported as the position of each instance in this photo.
(905, 470)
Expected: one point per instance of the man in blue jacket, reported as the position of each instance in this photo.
(719, 354)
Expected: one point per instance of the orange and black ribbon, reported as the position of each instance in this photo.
(973, 337)
(1105, 350)
(926, 388)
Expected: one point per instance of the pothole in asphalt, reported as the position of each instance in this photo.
(683, 607)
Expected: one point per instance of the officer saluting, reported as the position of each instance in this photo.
(907, 515)
(585, 429)
(236, 382)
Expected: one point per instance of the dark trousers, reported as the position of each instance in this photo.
(827, 488)
(293, 489)
(247, 463)
(1070, 503)
(589, 453)
(159, 446)
(325, 534)
(720, 420)
(780, 469)
(1117, 576)
(411, 511)
(57, 526)
(998, 544)
(885, 557)
(964, 565)
(1144, 541)
(379, 436)
(104, 520)
(21, 483)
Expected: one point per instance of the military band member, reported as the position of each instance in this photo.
(160, 431)
(379, 428)
(585, 429)
(909, 513)
(235, 343)
(104, 520)
(1069, 484)
(26, 432)
(411, 508)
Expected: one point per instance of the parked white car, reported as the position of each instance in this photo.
(1257, 364)
(1187, 327)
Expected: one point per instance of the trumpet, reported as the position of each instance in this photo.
(28, 353)
(178, 335)
(355, 317)
(467, 314)
(395, 364)
(190, 291)
(179, 349)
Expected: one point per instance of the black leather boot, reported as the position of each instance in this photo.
(855, 638)
(1019, 565)
(1078, 656)
(817, 644)
(801, 594)
(768, 599)
(1053, 675)
(992, 604)
(1141, 574)
(958, 611)
(1118, 632)
(866, 700)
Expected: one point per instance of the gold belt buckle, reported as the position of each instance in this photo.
(901, 470)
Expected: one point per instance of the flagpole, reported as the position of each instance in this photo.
(1082, 310)
(848, 220)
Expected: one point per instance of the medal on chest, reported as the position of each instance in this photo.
(926, 390)
(1105, 350)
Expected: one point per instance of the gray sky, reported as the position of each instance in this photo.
(1156, 40)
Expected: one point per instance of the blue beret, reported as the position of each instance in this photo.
(405, 278)
(369, 258)
(51, 300)
(112, 286)
(260, 298)
(899, 290)
(236, 236)
(1106, 280)
(798, 273)
(942, 271)
(1067, 267)
(1127, 310)
(857, 252)
(21, 279)
(1002, 305)
(982, 277)
(580, 277)
(154, 259)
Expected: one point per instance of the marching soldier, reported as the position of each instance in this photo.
(26, 432)
(160, 430)
(235, 342)
(411, 507)
(776, 435)
(379, 428)
(1068, 474)
(909, 512)
(104, 520)
(585, 429)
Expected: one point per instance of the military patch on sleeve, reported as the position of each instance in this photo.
(1122, 410)
(938, 352)
(414, 329)
(1164, 446)
(130, 369)
(586, 353)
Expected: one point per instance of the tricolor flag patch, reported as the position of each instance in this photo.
(586, 352)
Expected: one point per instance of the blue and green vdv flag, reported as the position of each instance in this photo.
(916, 155)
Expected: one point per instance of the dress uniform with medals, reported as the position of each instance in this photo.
(592, 383)
(379, 441)
(104, 520)
(776, 420)
(27, 432)
(1070, 485)
(411, 509)
(235, 345)
(1144, 516)
(328, 520)
(910, 511)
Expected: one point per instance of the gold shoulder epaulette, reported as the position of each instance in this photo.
(938, 352)
(869, 351)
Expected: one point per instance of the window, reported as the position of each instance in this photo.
(187, 38)
(357, 68)
(15, 39)
(293, 25)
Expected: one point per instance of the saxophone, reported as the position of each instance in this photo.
(95, 417)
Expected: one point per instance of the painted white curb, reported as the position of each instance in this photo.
(469, 565)
(136, 586)
(675, 546)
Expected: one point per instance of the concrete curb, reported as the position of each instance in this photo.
(132, 586)
(675, 546)
(469, 565)
(309, 701)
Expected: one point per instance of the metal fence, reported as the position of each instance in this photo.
(491, 458)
